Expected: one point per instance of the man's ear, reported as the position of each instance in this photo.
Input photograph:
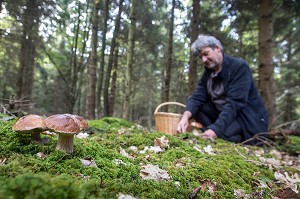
(218, 48)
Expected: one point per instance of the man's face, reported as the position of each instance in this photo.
(211, 58)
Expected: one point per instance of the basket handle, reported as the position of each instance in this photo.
(168, 103)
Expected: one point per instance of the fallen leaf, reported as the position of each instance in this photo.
(271, 162)
(162, 142)
(153, 172)
(124, 153)
(288, 181)
(119, 162)
(287, 193)
(197, 148)
(125, 196)
(2, 161)
(88, 162)
(177, 184)
(240, 194)
(155, 149)
(133, 148)
(259, 153)
(205, 184)
(209, 150)
(276, 153)
(41, 155)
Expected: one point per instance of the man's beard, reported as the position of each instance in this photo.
(210, 65)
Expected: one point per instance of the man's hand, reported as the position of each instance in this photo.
(208, 134)
(184, 122)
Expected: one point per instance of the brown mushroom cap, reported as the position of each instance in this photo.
(28, 123)
(62, 123)
(79, 120)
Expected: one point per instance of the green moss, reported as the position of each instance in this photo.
(61, 175)
(291, 145)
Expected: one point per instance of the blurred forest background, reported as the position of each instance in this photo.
(123, 58)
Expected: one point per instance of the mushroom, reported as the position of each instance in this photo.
(66, 126)
(31, 124)
(196, 124)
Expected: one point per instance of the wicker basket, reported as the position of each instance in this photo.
(167, 122)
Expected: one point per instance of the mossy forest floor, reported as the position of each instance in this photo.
(111, 163)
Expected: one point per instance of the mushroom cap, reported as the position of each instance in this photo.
(62, 123)
(28, 123)
(80, 121)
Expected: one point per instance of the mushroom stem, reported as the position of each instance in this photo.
(36, 137)
(65, 143)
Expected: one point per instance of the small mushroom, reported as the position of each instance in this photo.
(66, 127)
(31, 124)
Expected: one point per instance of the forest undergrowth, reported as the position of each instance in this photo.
(115, 158)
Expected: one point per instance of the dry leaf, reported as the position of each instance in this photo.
(197, 148)
(125, 196)
(276, 153)
(259, 153)
(133, 148)
(153, 172)
(118, 162)
(271, 162)
(287, 193)
(209, 150)
(41, 155)
(2, 161)
(123, 131)
(288, 181)
(205, 184)
(162, 142)
(88, 162)
(124, 153)
(240, 194)
(155, 149)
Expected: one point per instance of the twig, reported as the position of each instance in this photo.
(59, 160)
(195, 192)
(5, 111)
(248, 160)
(287, 123)
(259, 137)
(274, 120)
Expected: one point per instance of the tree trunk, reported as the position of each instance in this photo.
(72, 74)
(110, 61)
(1, 1)
(102, 62)
(129, 62)
(91, 99)
(194, 34)
(76, 68)
(167, 78)
(29, 41)
(113, 87)
(266, 68)
(81, 93)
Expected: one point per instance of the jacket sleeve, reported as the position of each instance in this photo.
(238, 83)
(199, 97)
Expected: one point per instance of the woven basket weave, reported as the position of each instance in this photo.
(167, 122)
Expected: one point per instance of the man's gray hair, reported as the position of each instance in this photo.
(205, 41)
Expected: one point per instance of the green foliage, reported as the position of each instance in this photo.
(24, 175)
